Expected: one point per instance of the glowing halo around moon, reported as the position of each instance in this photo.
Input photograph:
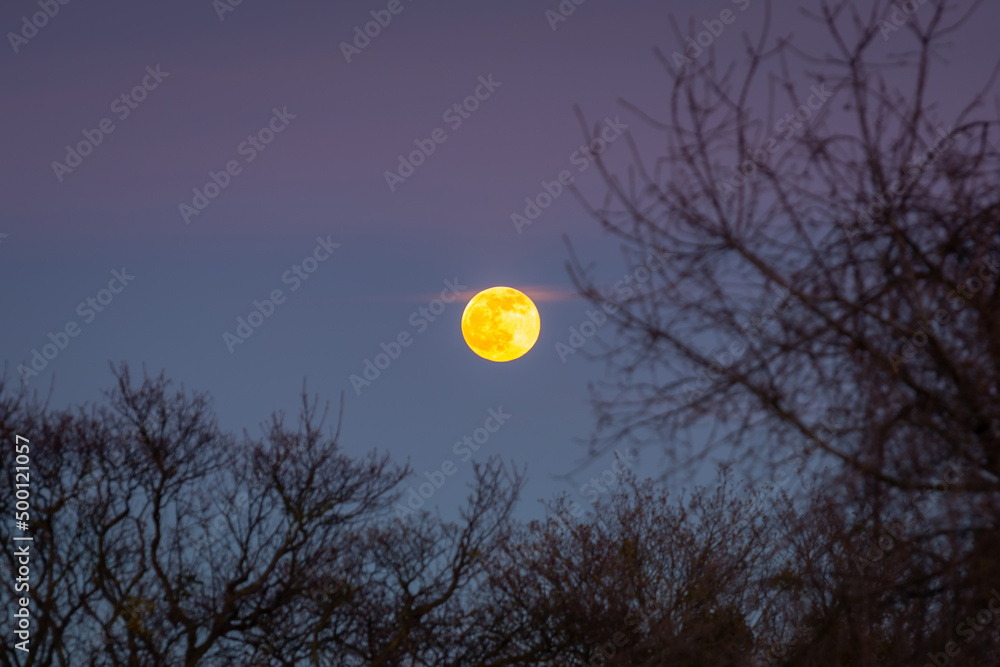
(500, 324)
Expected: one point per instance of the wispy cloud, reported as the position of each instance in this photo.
(537, 293)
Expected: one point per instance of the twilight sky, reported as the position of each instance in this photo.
(207, 85)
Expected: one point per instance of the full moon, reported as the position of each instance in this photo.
(500, 324)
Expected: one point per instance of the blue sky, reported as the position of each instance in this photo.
(322, 176)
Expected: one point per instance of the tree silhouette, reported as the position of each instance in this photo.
(834, 278)
(160, 540)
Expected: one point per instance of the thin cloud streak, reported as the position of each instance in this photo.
(537, 293)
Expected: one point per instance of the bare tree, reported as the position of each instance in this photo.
(161, 540)
(653, 581)
(831, 300)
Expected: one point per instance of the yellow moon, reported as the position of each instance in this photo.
(500, 324)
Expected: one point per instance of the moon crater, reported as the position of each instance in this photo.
(500, 324)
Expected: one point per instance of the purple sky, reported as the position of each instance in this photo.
(323, 176)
